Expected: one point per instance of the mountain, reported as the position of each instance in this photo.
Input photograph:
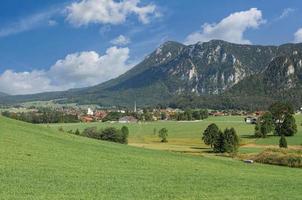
(2, 94)
(210, 74)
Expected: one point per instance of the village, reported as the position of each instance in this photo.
(93, 113)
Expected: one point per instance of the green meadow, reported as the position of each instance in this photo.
(186, 136)
(37, 162)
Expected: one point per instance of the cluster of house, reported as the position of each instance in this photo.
(156, 114)
(91, 115)
(253, 117)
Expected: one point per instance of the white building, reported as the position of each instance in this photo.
(90, 111)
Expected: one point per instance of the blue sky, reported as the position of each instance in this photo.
(77, 43)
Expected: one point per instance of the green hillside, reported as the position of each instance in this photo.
(41, 163)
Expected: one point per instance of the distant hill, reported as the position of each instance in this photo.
(3, 94)
(215, 74)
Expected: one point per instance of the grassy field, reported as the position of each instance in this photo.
(186, 136)
(41, 163)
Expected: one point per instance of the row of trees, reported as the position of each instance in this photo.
(108, 134)
(190, 115)
(43, 117)
(221, 141)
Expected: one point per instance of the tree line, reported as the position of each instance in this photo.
(45, 116)
(110, 134)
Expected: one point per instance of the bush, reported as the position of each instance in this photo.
(92, 132)
(282, 142)
(77, 132)
(109, 134)
(283, 157)
(125, 134)
(163, 134)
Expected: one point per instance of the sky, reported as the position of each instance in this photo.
(54, 45)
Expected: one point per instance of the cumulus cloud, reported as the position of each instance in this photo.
(107, 11)
(25, 82)
(298, 36)
(120, 40)
(75, 70)
(231, 28)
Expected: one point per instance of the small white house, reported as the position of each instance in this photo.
(90, 111)
(250, 120)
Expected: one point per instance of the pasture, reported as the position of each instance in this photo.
(37, 162)
(186, 136)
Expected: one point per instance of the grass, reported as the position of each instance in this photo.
(186, 136)
(41, 163)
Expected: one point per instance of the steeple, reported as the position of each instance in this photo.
(135, 106)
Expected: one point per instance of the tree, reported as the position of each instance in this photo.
(210, 134)
(282, 142)
(124, 135)
(279, 111)
(264, 125)
(258, 132)
(231, 140)
(226, 141)
(218, 144)
(163, 134)
(288, 127)
(77, 132)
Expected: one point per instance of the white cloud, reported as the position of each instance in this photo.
(286, 12)
(74, 71)
(28, 23)
(89, 68)
(231, 28)
(120, 40)
(298, 36)
(24, 82)
(107, 12)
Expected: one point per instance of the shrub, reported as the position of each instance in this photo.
(77, 132)
(124, 135)
(283, 157)
(282, 142)
(92, 132)
(163, 134)
(111, 134)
